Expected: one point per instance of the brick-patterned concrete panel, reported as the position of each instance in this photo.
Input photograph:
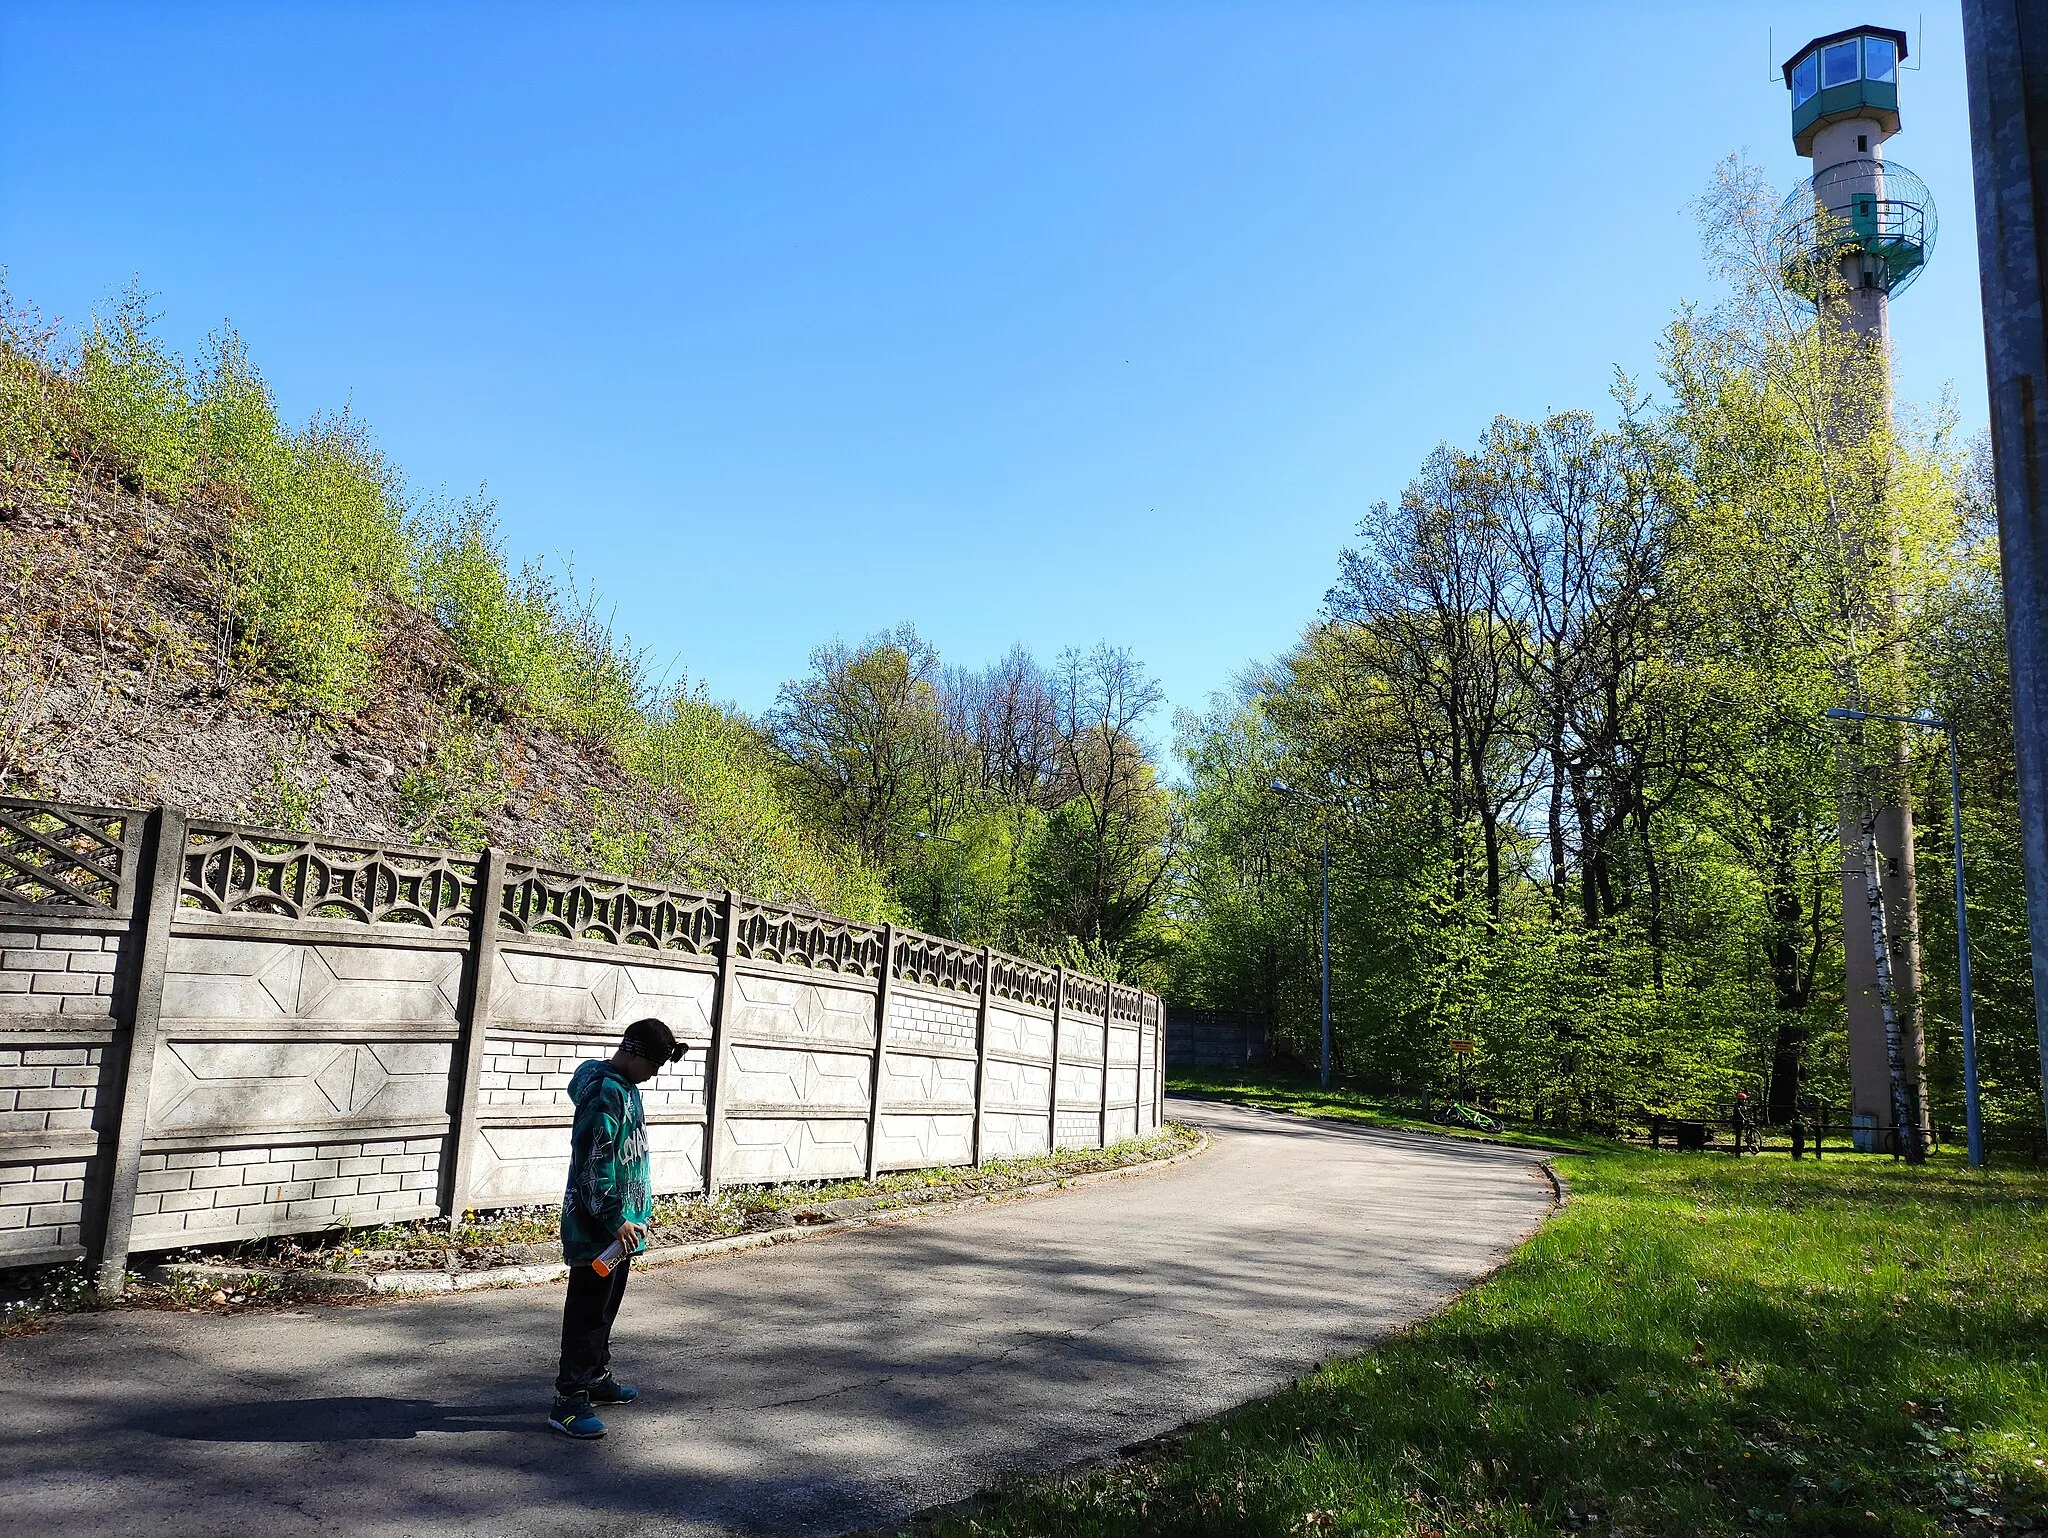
(205, 1196)
(1019, 1034)
(910, 1080)
(531, 1072)
(47, 1087)
(41, 1205)
(544, 988)
(47, 972)
(1079, 1129)
(915, 1141)
(916, 1019)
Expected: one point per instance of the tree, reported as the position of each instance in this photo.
(859, 734)
(1102, 864)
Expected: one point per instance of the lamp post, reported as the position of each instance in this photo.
(1280, 789)
(959, 856)
(1971, 1106)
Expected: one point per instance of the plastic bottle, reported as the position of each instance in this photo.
(609, 1260)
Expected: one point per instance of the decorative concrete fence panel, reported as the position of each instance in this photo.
(213, 1033)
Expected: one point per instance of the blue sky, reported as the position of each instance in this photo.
(1035, 322)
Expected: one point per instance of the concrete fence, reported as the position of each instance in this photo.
(1214, 1038)
(210, 1032)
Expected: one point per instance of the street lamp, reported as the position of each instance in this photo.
(958, 859)
(1280, 789)
(1927, 719)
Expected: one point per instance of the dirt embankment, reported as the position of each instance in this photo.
(119, 686)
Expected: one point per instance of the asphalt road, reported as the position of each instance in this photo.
(812, 1388)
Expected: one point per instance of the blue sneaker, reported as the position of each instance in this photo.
(573, 1418)
(609, 1390)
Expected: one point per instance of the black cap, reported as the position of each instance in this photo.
(653, 1040)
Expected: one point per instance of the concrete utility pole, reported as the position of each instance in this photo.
(2005, 49)
(1869, 227)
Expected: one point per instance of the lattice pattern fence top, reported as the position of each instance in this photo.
(798, 938)
(937, 963)
(64, 858)
(1024, 981)
(584, 905)
(233, 870)
(67, 856)
(1084, 993)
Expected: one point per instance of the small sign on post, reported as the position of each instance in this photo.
(1462, 1049)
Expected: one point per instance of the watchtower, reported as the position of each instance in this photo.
(1858, 215)
(1850, 238)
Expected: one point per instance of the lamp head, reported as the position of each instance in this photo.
(1838, 713)
(1282, 788)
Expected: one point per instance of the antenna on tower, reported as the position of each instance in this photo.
(1919, 42)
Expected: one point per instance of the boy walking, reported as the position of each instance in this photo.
(609, 1199)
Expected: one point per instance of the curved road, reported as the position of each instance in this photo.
(812, 1388)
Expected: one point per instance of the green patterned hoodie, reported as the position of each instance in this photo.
(608, 1175)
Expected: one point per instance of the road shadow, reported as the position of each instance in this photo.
(361, 1419)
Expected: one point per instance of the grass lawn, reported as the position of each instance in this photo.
(1284, 1090)
(1694, 1344)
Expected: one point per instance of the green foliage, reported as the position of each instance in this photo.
(1009, 806)
(742, 831)
(1692, 1345)
(536, 643)
(316, 549)
(288, 802)
(1562, 722)
(135, 407)
(446, 799)
(35, 403)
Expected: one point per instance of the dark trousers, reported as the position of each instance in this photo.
(587, 1315)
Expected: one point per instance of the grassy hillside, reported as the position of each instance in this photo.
(261, 622)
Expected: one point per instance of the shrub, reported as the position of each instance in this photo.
(535, 643)
(134, 404)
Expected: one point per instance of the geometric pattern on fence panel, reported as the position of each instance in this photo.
(210, 1032)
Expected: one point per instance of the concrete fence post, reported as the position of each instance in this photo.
(981, 1057)
(1059, 1005)
(718, 1056)
(881, 1047)
(473, 1020)
(1158, 1061)
(157, 878)
(1108, 1025)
